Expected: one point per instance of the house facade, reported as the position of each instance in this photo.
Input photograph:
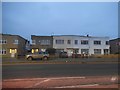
(41, 43)
(115, 46)
(12, 45)
(81, 44)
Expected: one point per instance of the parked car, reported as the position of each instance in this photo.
(39, 55)
(63, 54)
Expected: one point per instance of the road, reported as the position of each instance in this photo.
(57, 70)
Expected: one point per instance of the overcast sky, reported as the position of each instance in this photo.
(60, 18)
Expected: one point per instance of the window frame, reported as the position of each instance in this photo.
(59, 41)
(84, 42)
(16, 41)
(76, 42)
(97, 42)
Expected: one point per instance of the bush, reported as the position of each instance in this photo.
(51, 51)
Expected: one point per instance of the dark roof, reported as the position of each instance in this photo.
(115, 39)
(13, 35)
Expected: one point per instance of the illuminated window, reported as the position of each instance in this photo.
(13, 50)
(35, 50)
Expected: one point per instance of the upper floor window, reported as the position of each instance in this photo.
(97, 42)
(69, 42)
(84, 42)
(3, 41)
(107, 42)
(59, 41)
(33, 42)
(76, 42)
(15, 42)
(44, 42)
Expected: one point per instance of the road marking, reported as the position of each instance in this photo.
(43, 78)
(77, 86)
(36, 84)
(113, 79)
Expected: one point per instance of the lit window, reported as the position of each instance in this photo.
(13, 50)
(35, 50)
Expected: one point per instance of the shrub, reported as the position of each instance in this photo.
(51, 51)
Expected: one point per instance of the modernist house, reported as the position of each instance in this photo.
(41, 43)
(115, 46)
(12, 45)
(81, 44)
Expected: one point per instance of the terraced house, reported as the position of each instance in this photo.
(115, 46)
(41, 43)
(81, 44)
(12, 45)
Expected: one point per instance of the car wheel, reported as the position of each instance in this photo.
(30, 58)
(45, 58)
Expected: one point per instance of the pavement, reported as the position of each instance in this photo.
(63, 82)
(12, 61)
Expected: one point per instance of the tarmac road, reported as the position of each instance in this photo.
(58, 70)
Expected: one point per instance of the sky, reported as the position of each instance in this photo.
(60, 18)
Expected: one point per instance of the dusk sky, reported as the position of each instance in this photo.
(60, 18)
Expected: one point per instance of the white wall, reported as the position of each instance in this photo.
(90, 46)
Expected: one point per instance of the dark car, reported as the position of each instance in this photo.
(63, 55)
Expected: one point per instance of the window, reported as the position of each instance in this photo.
(75, 51)
(84, 42)
(97, 42)
(15, 42)
(35, 50)
(76, 42)
(44, 42)
(33, 42)
(107, 42)
(13, 50)
(2, 51)
(3, 41)
(84, 51)
(59, 41)
(69, 42)
(106, 51)
(97, 51)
